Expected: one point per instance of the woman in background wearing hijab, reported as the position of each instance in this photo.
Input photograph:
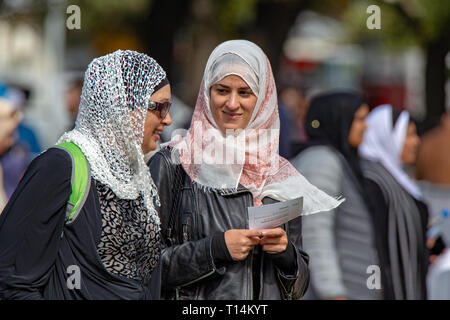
(341, 243)
(15, 163)
(212, 254)
(114, 243)
(400, 215)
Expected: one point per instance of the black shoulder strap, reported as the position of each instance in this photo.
(177, 187)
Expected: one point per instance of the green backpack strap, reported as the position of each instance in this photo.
(80, 180)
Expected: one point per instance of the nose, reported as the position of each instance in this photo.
(233, 102)
(167, 120)
(364, 126)
(418, 140)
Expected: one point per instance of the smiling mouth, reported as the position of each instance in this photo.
(233, 116)
(157, 133)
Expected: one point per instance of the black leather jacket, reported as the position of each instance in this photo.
(188, 268)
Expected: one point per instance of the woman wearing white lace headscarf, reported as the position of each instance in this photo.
(400, 215)
(112, 249)
(229, 161)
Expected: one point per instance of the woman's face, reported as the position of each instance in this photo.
(356, 134)
(153, 122)
(232, 103)
(411, 145)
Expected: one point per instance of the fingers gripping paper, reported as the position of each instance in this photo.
(274, 215)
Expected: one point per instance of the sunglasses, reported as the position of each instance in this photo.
(162, 107)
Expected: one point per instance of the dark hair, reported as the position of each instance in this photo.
(161, 84)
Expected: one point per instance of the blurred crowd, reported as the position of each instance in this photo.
(397, 190)
(396, 185)
(18, 141)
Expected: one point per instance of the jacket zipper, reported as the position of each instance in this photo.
(261, 278)
(194, 227)
(251, 277)
(286, 292)
(250, 263)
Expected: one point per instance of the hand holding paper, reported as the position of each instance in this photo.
(274, 215)
(240, 241)
(274, 240)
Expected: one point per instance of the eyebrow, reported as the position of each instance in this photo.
(227, 87)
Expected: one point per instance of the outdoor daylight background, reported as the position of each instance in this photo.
(312, 45)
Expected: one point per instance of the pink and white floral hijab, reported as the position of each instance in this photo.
(249, 157)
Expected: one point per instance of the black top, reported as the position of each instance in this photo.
(380, 212)
(41, 257)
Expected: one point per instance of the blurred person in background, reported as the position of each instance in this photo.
(433, 168)
(433, 159)
(341, 243)
(72, 99)
(433, 173)
(400, 214)
(15, 154)
(292, 107)
(12, 163)
(25, 146)
(115, 239)
(27, 135)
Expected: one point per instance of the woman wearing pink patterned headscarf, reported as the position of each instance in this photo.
(228, 161)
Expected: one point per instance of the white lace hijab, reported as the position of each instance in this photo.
(110, 124)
